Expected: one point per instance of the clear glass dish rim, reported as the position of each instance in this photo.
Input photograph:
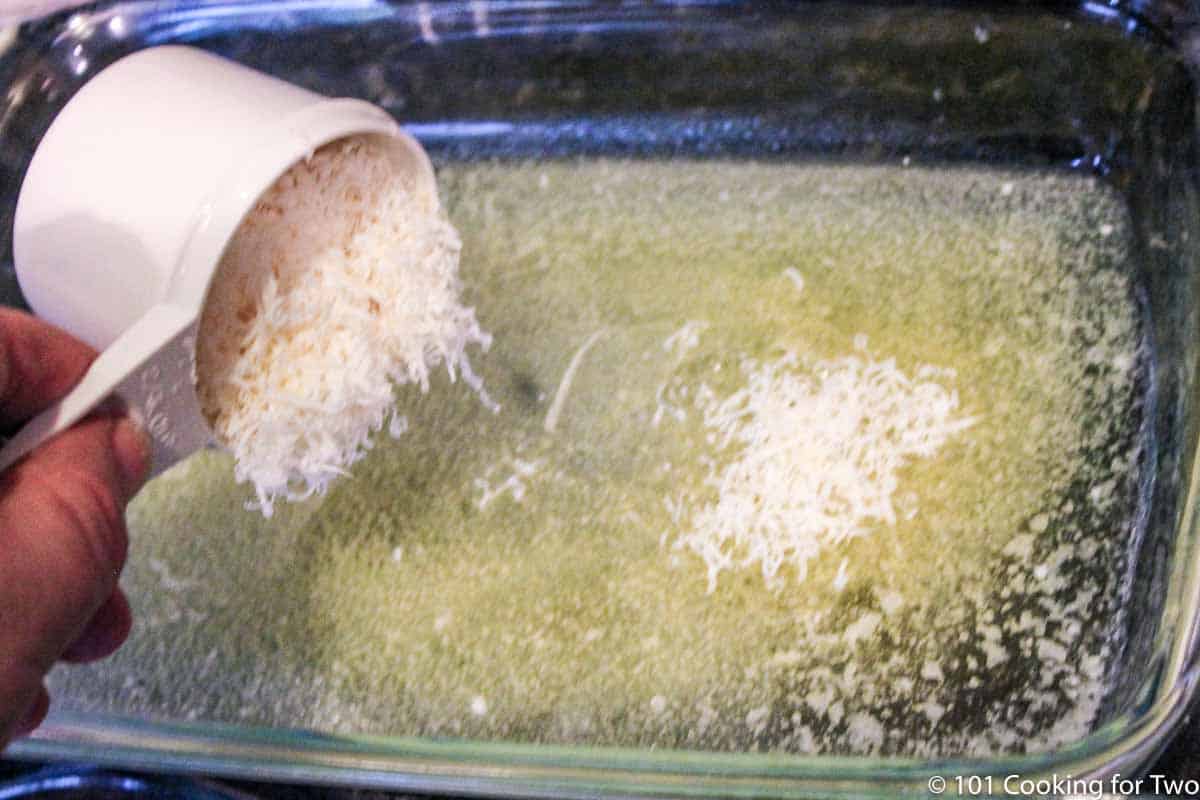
(408, 764)
(1121, 748)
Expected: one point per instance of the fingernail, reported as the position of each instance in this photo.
(132, 447)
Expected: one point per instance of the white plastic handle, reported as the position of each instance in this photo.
(150, 368)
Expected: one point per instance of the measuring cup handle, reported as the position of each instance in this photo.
(132, 368)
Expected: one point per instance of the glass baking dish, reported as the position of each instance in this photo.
(1084, 110)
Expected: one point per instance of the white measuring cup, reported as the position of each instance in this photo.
(126, 209)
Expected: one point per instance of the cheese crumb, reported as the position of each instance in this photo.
(816, 458)
(794, 275)
(341, 283)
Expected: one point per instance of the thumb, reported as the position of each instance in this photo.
(62, 533)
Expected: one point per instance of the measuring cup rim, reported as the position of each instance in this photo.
(234, 195)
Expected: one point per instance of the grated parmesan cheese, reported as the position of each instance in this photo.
(817, 457)
(339, 284)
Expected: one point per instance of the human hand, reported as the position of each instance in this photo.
(62, 523)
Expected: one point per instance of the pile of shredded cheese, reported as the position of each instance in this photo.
(341, 282)
(817, 457)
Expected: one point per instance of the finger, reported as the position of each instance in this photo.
(36, 713)
(62, 532)
(105, 632)
(39, 364)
